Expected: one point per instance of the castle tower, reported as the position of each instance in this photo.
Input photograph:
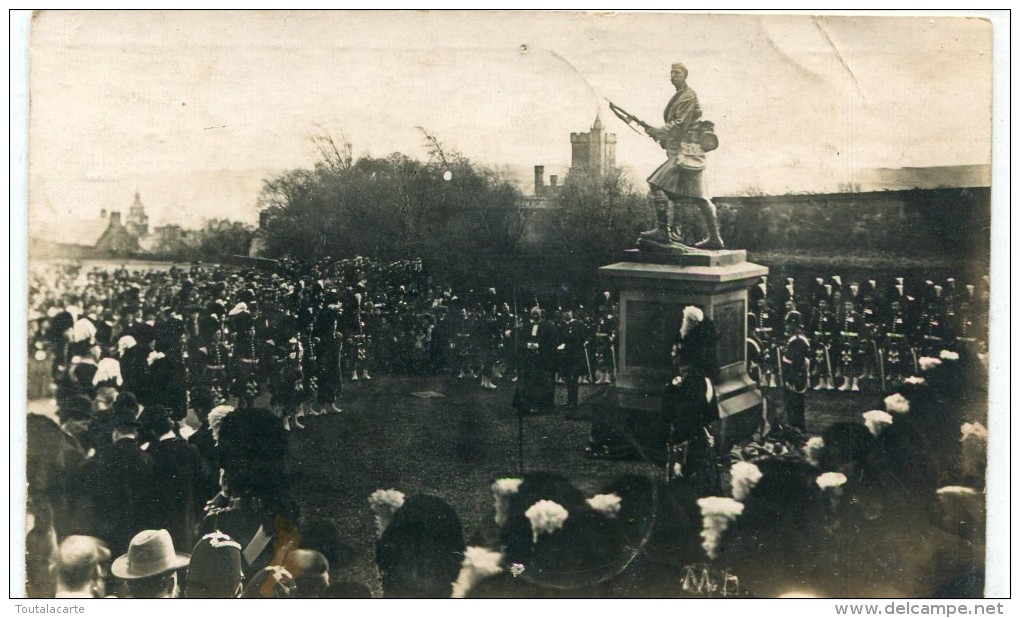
(594, 151)
(137, 222)
(539, 180)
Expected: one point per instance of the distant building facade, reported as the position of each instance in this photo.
(593, 152)
(107, 236)
(542, 189)
(137, 221)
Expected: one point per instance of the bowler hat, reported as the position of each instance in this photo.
(150, 553)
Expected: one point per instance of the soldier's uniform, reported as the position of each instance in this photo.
(244, 379)
(796, 359)
(823, 327)
(214, 366)
(899, 353)
(870, 332)
(464, 345)
(850, 348)
(605, 349)
(931, 331)
(327, 354)
(507, 323)
(488, 337)
(572, 360)
(358, 340)
(536, 386)
(766, 332)
(310, 365)
(963, 328)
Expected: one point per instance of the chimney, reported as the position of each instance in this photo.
(539, 179)
(115, 217)
(102, 214)
(554, 180)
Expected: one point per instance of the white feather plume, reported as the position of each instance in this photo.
(692, 317)
(479, 563)
(546, 517)
(813, 450)
(607, 504)
(716, 515)
(876, 421)
(897, 404)
(384, 503)
(744, 476)
(502, 489)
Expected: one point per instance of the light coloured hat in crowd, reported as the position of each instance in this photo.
(150, 553)
(238, 308)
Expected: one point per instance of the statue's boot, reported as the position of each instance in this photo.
(674, 233)
(675, 227)
(660, 234)
(708, 213)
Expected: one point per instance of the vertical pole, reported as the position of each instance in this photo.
(520, 442)
(517, 372)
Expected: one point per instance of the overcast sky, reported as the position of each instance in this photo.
(195, 109)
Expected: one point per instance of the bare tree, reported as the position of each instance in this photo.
(336, 155)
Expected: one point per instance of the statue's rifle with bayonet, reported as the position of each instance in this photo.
(636, 124)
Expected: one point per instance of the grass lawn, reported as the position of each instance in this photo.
(453, 447)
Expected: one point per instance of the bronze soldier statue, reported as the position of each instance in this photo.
(686, 138)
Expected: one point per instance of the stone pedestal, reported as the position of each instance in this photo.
(654, 288)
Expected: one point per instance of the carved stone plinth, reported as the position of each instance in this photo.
(653, 290)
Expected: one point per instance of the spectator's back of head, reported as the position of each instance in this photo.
(154, 422)
(202, 402)
(81, 562)
(125, 405)
(311, 572)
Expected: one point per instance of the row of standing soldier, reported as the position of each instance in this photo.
(856, 334)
